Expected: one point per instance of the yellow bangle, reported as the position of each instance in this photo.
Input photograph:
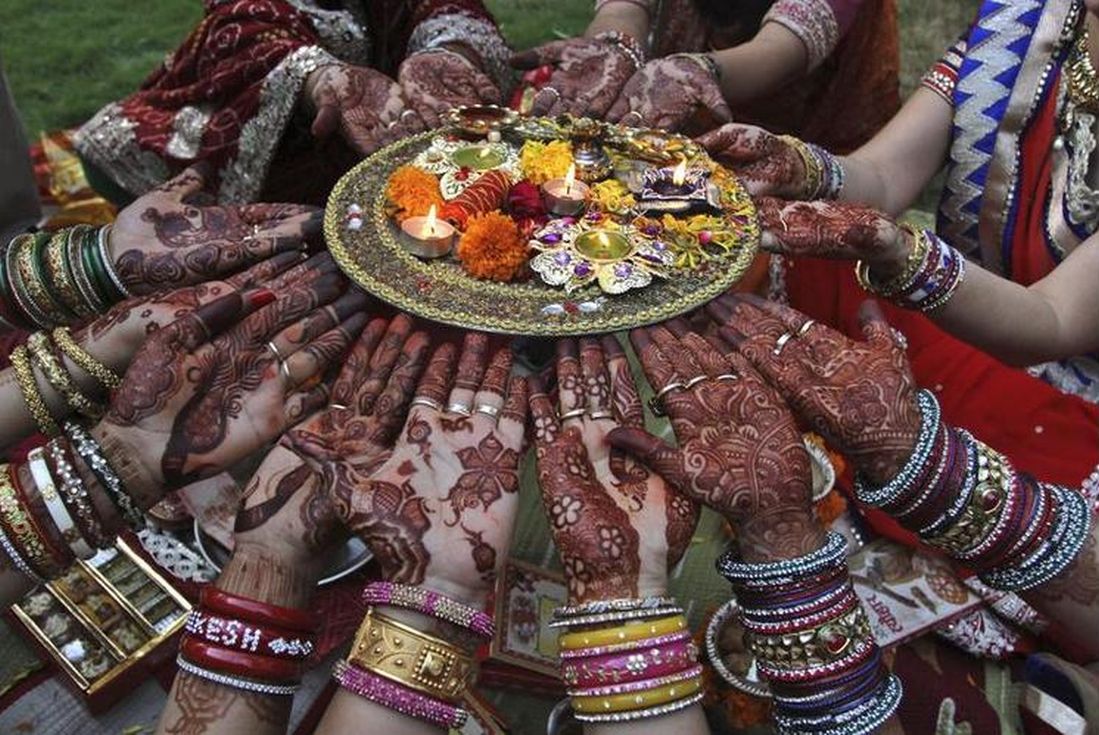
(814, 174)
(32, 396)
(58, 377)
(921, 247)
(19, 523)
(628, 632)
(108, 378)
(637, 700)
(410, 657)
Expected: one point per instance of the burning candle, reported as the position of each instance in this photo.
(566, 196)
(427, 237)
(679, 175)
(478, 157)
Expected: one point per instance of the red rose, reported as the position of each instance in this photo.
(525, 200)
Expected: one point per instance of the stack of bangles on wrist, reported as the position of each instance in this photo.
(931, 275)
(406, 670)
(53, 278)
(47, 517)
(966, 499)
(824, 174)
(48, 355)
(246, 644)
(812, 642)
(628, 659)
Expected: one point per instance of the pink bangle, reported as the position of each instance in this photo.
(636, 686)
(429, 603)
(626, 646)
(844, 605)
(398, 698)
(627, 666)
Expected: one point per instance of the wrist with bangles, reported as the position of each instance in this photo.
(932, 273)
(967, 500)
(625, 43)
(812, 641)
(49, 279)
(405, 667)
(825, 175)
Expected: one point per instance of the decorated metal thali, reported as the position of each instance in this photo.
(571, 287)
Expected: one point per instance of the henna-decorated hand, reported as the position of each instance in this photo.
(436, 80)
(332, 452)
(587, 77)
(838, 230)
(740, 450)
(115, 337)
(365, 106)
(207, 390)
(668, 93)
(859, 395)
(174, 236)
(440, 509)
(617, 526)
(767, 165)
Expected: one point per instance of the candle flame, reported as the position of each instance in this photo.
(680, 173)
(430, 224)
(570, 179)
(485, 150)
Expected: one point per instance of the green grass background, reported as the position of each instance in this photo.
(65, 59)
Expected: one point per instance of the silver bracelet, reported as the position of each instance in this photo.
(92, 454)
(18, 561)
(108, 264)
(280, 690)
(617, 616)
(641, 714)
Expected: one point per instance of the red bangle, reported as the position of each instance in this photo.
(53, 563)
(249, 665)
(238, 635)
(47, 529)
(256, 612)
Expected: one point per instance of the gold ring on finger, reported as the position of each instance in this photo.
(805, 328)
(488, 410)
(780, 343)
(427, 403)
(573, 414)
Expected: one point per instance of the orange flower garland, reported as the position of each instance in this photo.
(412, 192)
(492, 247)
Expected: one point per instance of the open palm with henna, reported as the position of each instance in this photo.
(211, 388)
(438, 510)
(740, 451)
(363, 105)
(859, 395)
(617, 526)
(667, 93)
(588, 74)
(438, 79)
(767, 165)
(175, 236)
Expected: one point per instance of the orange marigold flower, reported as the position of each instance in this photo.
(412, 192)
(492, 247)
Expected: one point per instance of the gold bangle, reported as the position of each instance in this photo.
(1081, 76)
(19, 523)
(59, 273)
(34, 285)
(628, 632)
(32, 396)
(108, 378)
(814, 173)
(19, 295)
(637, 700)
(917, 256)
(411, 658)
(38, 344)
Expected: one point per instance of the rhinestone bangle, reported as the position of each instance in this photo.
(913, 468)
(92, 454)
(641, 714)
(616, 616)
(236, 682)
(833, 552)
(429, 603)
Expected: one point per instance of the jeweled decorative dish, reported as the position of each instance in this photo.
(543, 227)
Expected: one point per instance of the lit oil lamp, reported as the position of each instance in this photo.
(478, 157)
(427, 237)
(603, 245)
(675, 190)
(565, 197)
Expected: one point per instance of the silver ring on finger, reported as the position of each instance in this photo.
(553, 90)
(462, 409)
(656, 403)
(339, 407)
(284, 368)
(804, 328)
(488, 410)
(725, 377)
(573, 414)
(695, 381)
(405, 113)
(274, 350)
(601, 414)
(780, 343)
(427, 403)
(635, 113)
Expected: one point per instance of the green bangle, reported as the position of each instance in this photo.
(89, 254)
(83, 279)
(26, 305)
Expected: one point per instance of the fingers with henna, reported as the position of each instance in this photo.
(435, 384)
(382, 361)
(489, 399)
(471, 370)
(546, 425)
(391, 407)
(315, 357)
(264, 271)
(570, 383)
(513, 415)
(628, 410)
(353, 374)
